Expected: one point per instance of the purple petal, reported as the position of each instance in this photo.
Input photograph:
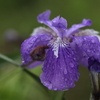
(60, 73)
(29, 44)
(59, 22)
(35, 64)
(44, 16)
(94, 65)
(58, 25)
(87, 47)
(74, 28)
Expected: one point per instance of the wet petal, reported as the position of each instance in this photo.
(29, 44)
(74, 28)
(60, 73)
(87, 47)
(35, 64)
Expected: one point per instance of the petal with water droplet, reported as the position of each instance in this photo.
(87, 47)
(58, 71)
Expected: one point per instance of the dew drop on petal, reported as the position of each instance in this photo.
(65, 79)
(84, 38)
(45, 84)
(88, 50)
(55, 88)
(62, 77)
(74, 59)
(50, 86)
(71, 65)
(92, 41)
(65, 71)
(23, 61)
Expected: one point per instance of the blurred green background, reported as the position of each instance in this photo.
(19, 17)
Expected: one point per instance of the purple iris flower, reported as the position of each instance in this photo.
(60, 49)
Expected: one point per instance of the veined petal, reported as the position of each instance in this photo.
(74, 28)
(87, 47)
(29, 44)
(60, 73)
(43, 30)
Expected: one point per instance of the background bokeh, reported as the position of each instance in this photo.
(17, 21)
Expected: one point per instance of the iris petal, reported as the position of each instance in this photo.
(29, 44)
(35, 64)
(87, 47)
(59, 22)
(44, 16)
(58, 25)
(74, 28)
(60, 73)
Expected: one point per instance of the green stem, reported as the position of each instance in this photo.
(95, 80)
(60, 95)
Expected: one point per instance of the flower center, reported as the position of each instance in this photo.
(58, 42)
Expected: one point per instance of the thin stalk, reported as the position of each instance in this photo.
(35, 77)
(95, 81)
(9, 60)
(60, 95)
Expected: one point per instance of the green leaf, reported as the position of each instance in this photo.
(9, 60)
(24, 69)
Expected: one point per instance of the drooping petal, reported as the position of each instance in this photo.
(74, 28)
(87, 47)
(35, 64)
(29, 44)
(60, 73)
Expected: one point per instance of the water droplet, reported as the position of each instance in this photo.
(50, 86)
(65, 71)
(71, 65)
(92, 41)
(88, 50)
(23, 61)
(55, 88)
(62, 77)
(65, 79)
(74, 59)
(45, 83)
(84, 38)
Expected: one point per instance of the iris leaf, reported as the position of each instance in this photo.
(35, 77)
